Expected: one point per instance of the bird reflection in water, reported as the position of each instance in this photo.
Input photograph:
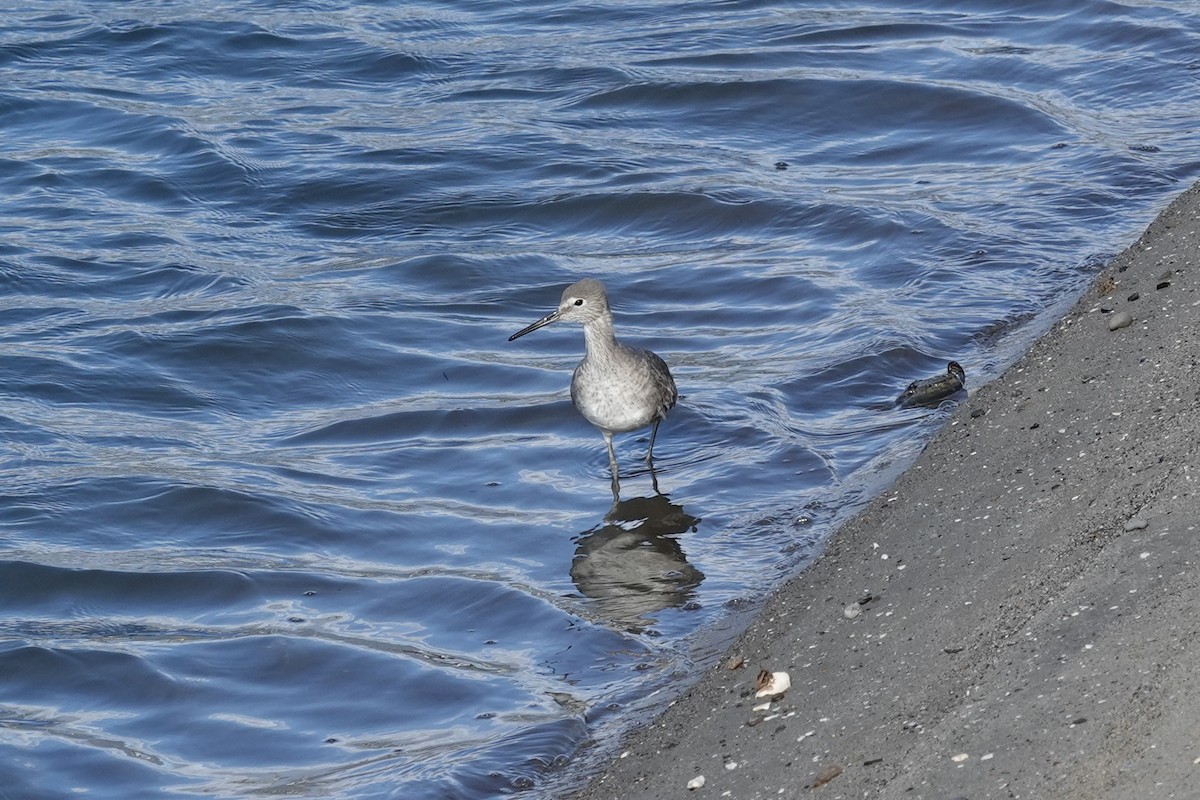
(632, 565)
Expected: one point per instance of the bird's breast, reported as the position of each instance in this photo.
(622, 395)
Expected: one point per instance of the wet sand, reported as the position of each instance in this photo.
(1033, 621)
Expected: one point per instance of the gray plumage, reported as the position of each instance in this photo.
(617, 388)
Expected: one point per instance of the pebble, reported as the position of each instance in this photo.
(826, 775)
(1122, 319)
(1136, 524)
(696, 782)
(853, 610)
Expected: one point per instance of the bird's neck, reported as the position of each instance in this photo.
(599, 337)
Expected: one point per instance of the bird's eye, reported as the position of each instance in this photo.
(578, 301)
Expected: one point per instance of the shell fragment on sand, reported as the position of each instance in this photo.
(772, 683)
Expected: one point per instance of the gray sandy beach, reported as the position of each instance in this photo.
(1028, 618)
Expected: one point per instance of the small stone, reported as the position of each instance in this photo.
(1136, 524)
(696, 782)
(958, 759)
(781, 165)
(853, 610)
(977, 413)
(1122, 319)
(1163, 285)
(1133, 297)
(827, 774)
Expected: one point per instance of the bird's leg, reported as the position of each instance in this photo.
(612, 456)
(612, 465)
(653, 433)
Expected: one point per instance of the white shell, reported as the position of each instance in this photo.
(780, 683)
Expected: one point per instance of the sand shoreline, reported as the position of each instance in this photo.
(1033, 627)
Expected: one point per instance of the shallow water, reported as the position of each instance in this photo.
(284, 513)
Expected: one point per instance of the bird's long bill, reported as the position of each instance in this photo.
(541, 323)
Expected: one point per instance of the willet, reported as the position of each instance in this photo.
(617, 388)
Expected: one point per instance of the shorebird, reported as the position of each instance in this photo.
(617, 388)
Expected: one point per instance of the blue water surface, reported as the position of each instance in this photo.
(281, 510)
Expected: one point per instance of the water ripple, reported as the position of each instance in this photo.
(285, 513)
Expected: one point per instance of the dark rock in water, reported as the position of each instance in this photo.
(931, 391)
